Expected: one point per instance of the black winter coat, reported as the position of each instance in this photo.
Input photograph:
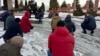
(70, 25)
(89, 22)
(13, 30)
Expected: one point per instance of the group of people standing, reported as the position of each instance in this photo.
(61, 40)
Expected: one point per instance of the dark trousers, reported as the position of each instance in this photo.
(4, 25)
(49, 53)
(85, 27)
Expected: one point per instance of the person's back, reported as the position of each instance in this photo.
(91, 22)
(61, 42)
(10, 19)
(13, 30)
(12, 48)
(54, 21)
(69, 24)
(25, 22)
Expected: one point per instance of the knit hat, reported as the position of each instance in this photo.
(17, 41)
(17, 20)
(61, 23)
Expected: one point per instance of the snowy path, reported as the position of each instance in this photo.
(36, 41)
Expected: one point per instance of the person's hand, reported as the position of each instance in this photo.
(32, 27)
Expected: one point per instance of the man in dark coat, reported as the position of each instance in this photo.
(3, 17)
(10, 19)
(13, 30)
(89, 23)
(69, 24)
(13, 47)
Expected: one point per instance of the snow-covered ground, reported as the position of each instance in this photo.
(35, 42)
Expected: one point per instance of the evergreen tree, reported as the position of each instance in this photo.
(26, 3)
(43, 6)
(77, 2)
(32, 4)
(72, 4)
(92, 12)
(16, 4)
(35, 4)
(53, 4)
(21, 3)
(64, 4)
(5, 4)
(91, 5)
(78, 11)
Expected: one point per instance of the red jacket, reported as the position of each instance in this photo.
(25, 22)
(61, 42)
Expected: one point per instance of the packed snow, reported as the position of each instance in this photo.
(36, 41)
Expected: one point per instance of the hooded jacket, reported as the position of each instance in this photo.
(61, 42)
(25, 22)
(69, 24)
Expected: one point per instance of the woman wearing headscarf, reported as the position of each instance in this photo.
(13, 47)
(54, 21)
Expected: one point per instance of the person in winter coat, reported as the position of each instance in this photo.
(69, 24)
(10, 19)
(13, 47)
(40, 14)
(3, 17)
(89, 23)
(25, 22)
(54, 21)
(61, 42)
(13, 30)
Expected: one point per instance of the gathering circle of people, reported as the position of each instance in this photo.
(61, 40)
